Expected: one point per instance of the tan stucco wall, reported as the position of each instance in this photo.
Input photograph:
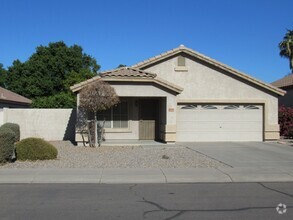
(203, 83)
(49, 124)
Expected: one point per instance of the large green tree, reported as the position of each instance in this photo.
(47, 75)
(286, 47)
(2, 76)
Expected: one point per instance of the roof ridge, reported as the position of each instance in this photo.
(181, 47)
(212, 61)
(127, 72)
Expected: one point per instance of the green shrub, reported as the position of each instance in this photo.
(15, 128)
(35, 149)
(7, 140)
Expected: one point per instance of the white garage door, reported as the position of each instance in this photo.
(219, 122)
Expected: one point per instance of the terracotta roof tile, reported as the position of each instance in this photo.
(128, 72)
(284, 82)
(8, 96)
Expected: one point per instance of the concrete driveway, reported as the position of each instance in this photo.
(247, 162)
(250, 161)
(247, 154)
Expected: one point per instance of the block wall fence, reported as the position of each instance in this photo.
(49, 124)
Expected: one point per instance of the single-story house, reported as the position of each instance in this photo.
(285, 83)
(182, 95)
(10, 99)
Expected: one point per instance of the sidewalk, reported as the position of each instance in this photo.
(170, 175)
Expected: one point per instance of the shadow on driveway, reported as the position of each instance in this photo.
(246, 154)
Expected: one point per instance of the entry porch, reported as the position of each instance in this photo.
(147, 108)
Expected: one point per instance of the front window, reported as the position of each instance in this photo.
(115, 117)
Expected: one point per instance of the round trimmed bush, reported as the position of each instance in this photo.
(35, 149)
(7, 140)
(15, 128)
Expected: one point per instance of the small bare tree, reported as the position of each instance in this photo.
(94, 97)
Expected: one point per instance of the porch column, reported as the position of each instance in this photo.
(169, 129)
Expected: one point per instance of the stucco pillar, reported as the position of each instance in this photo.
(169, 129)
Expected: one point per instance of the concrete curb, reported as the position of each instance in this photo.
(135, 175)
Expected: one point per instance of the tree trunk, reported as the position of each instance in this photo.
(96, 130)
(82, 136)
(101, 132)
(89, 134)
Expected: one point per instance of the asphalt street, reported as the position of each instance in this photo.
(146, 201)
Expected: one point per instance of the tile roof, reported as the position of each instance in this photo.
(128, 72)
(183, 49)
(125, 74)
(137, 71)
(284, 82)
(8, 96)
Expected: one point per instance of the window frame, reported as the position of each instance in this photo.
(251, 107)
(209, 107)
(231, 107)
(190, 107)
(112, 117)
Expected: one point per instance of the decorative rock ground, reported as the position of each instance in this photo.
(70, 156)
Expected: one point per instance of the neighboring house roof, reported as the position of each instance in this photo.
(8, 96)
(284, 82)
(128, 74)
(183, 49)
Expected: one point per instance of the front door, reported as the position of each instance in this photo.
(147, 119)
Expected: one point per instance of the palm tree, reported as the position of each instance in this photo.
(286, 47)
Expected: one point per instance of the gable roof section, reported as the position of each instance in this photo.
(128, 74)
(284, 82)
(183, 49)
(8, 96)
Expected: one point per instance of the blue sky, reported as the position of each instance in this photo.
(243, 34)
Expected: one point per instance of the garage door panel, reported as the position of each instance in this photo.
(224, 115)
(197, 123)
(247, 125)
(221, 136)
(224, 127)
(220, 124)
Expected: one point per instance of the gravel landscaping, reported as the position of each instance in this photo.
(70, 156)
